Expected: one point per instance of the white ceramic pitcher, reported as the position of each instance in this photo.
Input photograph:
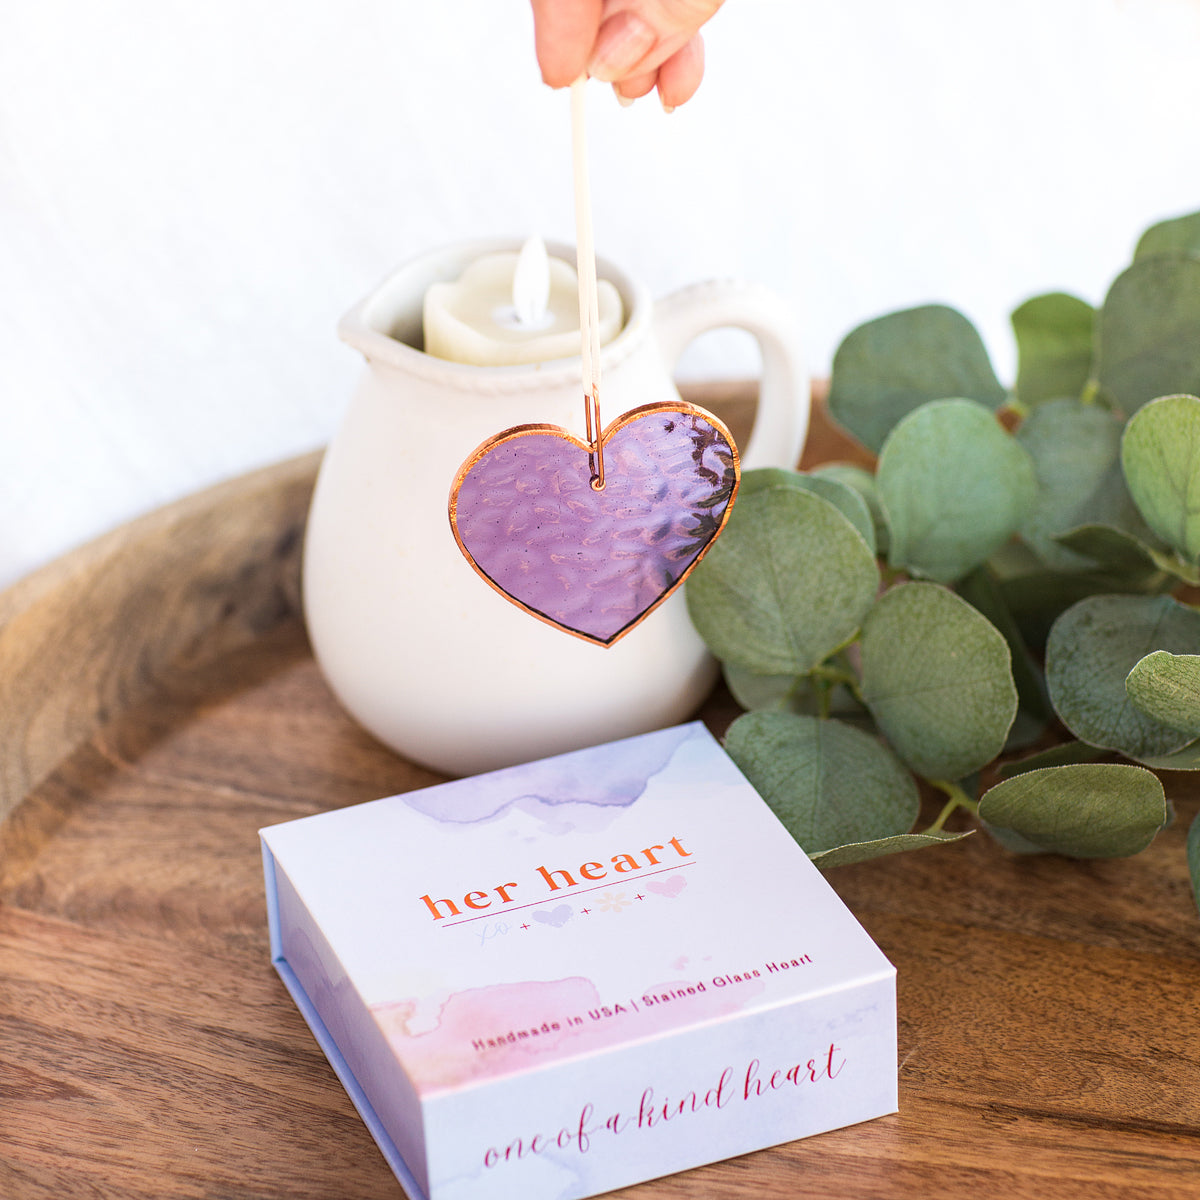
(416, 646)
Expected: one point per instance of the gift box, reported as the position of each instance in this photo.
(580, 973)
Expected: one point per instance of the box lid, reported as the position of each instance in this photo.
(518, 919)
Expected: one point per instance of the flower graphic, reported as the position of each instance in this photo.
(613, 902)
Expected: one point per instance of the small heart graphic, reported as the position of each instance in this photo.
(596, 562)
(668, 887)
(557, 917)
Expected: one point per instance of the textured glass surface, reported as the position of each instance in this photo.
(596, 561)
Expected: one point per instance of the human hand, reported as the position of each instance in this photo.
(636, 45)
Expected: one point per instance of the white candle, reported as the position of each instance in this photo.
(510, 308)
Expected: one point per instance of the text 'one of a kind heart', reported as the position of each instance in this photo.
(595, 562)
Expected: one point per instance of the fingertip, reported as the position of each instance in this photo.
(563, 34)
(636, 86)
(680, 75)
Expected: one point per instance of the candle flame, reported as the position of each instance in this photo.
(531, 283)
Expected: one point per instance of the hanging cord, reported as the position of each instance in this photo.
(589, 304)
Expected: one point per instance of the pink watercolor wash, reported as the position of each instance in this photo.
(489, 1032)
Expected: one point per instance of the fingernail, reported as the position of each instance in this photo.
(668, 108)
(623, 101)
(624, 40)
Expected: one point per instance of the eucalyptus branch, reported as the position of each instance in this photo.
(958, 799)
(833, 676)
(1077, 508)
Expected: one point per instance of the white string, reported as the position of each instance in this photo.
(589, 304)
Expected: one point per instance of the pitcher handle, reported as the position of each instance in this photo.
(784, 397)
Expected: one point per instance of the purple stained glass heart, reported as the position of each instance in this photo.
(594, 563)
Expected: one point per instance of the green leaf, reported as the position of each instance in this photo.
(1014, 841)
(828, 783)
(1148, 339)
(1056, 756)
(1193, 857)
(1090, 810)
(763, 478)
(1026, 729)
(1092, 648)
(1054, 347)
(1160, 452)
(1187, 759)
(1180, 235)
(787, 583)
(787, 693)
(1113, 549)
(856, 852)
(936, 676)
(1038, 598)
(980, 590)
(954, 486)
(1174, 565)
(846, 499)
(889, 366)
(1166, 687)
(1075, 448)
(863, 482)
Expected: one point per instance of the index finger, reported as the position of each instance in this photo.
(564, 33)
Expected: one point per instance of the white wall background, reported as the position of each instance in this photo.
(191, 194)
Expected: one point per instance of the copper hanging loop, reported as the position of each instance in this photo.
(589, 304)
(591, 403)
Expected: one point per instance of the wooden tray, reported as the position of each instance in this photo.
(158, 704)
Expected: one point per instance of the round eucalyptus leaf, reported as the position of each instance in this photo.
(1026, 730)
(981, 590)
(789, 693)
(828, 783)
(1089, 810)
(786, 584)
(1054, 347)
(1111, 548)
(863, 482)
(937, 678)
(762, 478)
(856, 852)
(1038, 599)
(847, 501)
(1166, 687)
(1014, 841)
(1161, 456)
(1173, 564)
(1187, 759)
(889, 366)
(955, 486)
(1060, 755)
(1073, 446)
(1091, 649)
(1179, 235)
(844, 498)
(1148, 335)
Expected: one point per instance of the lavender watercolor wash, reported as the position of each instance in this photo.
(577, 974)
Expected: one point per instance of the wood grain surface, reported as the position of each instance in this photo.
(160, 705)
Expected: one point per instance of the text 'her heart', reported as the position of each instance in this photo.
(595, 562)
